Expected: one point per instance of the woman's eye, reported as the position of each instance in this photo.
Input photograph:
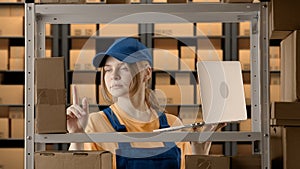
(124, 68)
(107, 70)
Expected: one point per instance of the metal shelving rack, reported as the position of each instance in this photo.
(36, 15)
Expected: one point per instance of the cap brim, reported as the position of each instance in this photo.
(99, 59)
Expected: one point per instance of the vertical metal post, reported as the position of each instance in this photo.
(255, 75)
(29, 84)
(265, 86)
(55, 39)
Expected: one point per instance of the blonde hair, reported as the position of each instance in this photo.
(135, 69)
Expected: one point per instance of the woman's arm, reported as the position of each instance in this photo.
(203, 148)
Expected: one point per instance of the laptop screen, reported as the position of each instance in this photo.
(221, 91)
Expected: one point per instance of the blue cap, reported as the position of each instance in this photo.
(127, 50)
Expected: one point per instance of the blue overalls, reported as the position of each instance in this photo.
(127, 157)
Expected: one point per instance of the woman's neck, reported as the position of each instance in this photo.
(137, 109)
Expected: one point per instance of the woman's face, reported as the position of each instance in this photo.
(117, 77)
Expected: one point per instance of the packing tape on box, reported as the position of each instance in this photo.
(51, 96)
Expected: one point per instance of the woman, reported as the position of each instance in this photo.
(134, 108)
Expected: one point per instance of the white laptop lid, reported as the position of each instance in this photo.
(221, 91)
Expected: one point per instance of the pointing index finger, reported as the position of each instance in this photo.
(74, 94)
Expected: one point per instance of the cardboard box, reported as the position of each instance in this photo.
(166, 44)
(285, 114)
(3, 59)
(244, 149)
(11, 26)
(85, 90)
(162, 79)
(17, 10)
(285, 110)
(118, 1)
(81, 77)
(93, 1)
(274, 64)
(50, 73)
(72, 1)
(205, 162)
(82, 59)
(175, 94)
(4, 44)
(290, 71)
(237, 1)
(50, 95)
(12, 158)
(83, 29)
(209, 29)
(159, 1)
(274, 93)
(177, 1)
(177, 30)
(216, 149)
(247, 90)
(12, 94)
(50, 119)
(16, 64)
(48, 53)
(188, 52)
(284, 147)
(17, 51)
(17, 128)
(244, 29)
(210, 55)
(291, 147)
(187, 64)
(4, 10)
(119, 30)
(4, 111)
(183, 78)
(16, 112)
(4, 128)
(244, 58)
(73, 159)
(165, 59)
(276, 147)
(246, 162)
(283, 18)
(274, 51)
(245, 125)
(206, 0)
(49, 1)
(275, 79)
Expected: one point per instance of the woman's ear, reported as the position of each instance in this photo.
(148, 74)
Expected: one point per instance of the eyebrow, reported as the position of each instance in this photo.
(120, 64)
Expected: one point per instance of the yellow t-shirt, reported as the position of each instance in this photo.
(98, 122)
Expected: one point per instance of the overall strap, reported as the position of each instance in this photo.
(163, 122)
(114, 120)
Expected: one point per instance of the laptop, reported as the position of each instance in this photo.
(221, 91)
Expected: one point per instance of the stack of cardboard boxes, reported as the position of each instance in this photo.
(50, 106)
(285, 116)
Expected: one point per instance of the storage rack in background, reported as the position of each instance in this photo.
(37, 15)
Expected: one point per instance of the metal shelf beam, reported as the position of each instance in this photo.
(145, 13)
(148, 137)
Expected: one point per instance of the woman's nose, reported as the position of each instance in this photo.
(116, 75)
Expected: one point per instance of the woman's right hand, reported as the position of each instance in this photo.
(77, 116)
